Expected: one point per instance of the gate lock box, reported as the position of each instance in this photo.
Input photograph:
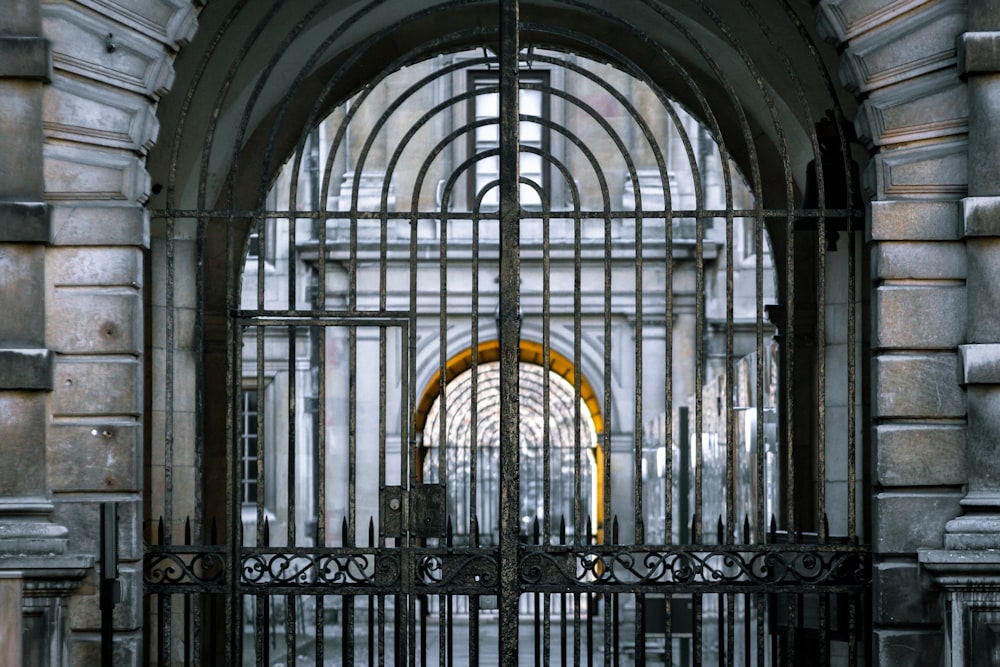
(423, 505)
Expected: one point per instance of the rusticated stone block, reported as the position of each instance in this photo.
(22, 368)
(984, 297)
(79, 45)
(979, 364)
(981, 216)
(917, 386)
(938, 169)
(22, 440)
(85, 610)
(903, 50)
(915, 221)
(905, 522)
(22, 292)
(25, 222)
(920, 455)
(919, 260)
(100, 224)
(94, 386)
(902, 599)
(908, 648)
(86, 649)
(76, 174)
(83, 519)
(940, 310)
(979, 53)
(106, 267)
(25, 57)
(168, 21)
(95, 322)
(927, 108)
(94, 457)
(104, 117)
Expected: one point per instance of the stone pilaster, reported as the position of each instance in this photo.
(35, 572)
(967, 567)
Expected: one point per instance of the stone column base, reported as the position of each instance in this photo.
(972, 581)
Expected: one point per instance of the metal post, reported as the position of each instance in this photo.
(509, 331)
(109, 579)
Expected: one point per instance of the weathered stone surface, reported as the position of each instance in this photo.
(80, 267)
(85, 610)
(845, 19)
(25, 368)
(981, 216)
(919, 260)
(25, 222)
(21, 295)
(168, 21)
(902, 598)
(909, 385)
(904, 50)
(94, 456)
(920, 455)
(77, 174)
(86, 650)
(979, 364)
(908, 648)
(11, 652)
(979, 53)
(930, 107)
(80, 45)
(101, 223)
(915, 221)
(905, 522)
(937, 170)
(25, 57)
(84, 520)
(108, 321)
(21, 137)
(940, 310)
(984, 297)
(103, 117)
(22, 438)
(97, 386)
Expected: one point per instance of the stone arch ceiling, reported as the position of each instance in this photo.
(104, 109)
(206, 67)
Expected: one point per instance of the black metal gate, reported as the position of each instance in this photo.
(514, 361)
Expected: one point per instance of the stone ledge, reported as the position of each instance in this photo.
(25, 57)
(960, 568)
(26, 369)
(979, 363)
(979, 53)
(981, 216)
(25, 222)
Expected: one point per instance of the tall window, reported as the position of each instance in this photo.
(486, 105)
(248, 447)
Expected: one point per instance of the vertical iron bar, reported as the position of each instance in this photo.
(509, 330)
(696, 606)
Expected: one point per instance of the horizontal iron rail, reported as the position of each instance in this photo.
(770, 213)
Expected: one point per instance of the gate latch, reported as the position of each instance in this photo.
(420, 510)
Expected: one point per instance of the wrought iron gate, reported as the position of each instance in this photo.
(519, 369)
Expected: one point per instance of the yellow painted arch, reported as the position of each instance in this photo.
(531, 352)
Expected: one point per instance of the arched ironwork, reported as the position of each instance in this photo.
(654, 211)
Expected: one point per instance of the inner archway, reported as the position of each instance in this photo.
(559, 465)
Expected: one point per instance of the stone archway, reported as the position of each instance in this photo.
(92, 125)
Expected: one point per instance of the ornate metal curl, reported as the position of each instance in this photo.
(183, 567)
(767, 567)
